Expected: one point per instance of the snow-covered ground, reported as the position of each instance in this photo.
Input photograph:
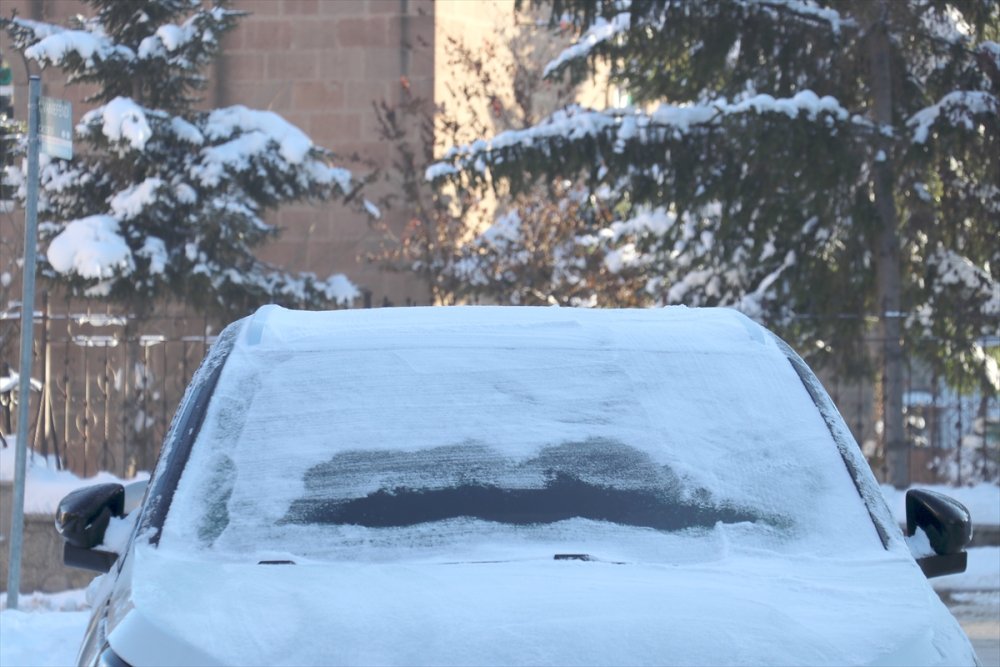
(45, 630)
(29, 638)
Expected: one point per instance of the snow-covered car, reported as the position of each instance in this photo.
(511, 486)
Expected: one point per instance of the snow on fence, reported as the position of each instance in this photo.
(107, 385)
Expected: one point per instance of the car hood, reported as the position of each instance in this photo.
(743, 610)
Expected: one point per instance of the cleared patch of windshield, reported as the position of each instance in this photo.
(596, 480)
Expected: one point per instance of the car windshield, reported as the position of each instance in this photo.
(635, 441)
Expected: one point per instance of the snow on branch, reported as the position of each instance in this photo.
(574, 123)
(54, 45)
(959, 108)
(248, 134)
(803, 10)
(957, 271)
(191, 40)
(91, 248)
(298, 288)
(238, 120)
(601, 31)
(945, 25)
(992, 49)
(131, 202)
(121, 119)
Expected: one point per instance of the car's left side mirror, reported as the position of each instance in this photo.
(948, 527)
(82, 519)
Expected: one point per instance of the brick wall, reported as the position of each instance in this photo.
(320, 64)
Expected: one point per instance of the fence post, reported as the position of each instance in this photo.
(958, 434)
(125, 393)
(41, 423)
(5, 401)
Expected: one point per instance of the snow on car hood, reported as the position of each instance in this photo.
(741, 609)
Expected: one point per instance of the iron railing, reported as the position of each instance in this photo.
(107, 385)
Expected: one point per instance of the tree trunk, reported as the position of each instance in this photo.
(888, 273)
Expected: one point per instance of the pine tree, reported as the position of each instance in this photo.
(164, 200)
(821, 164)
(449, 243)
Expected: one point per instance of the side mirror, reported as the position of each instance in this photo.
(82, 518)
(948, 527)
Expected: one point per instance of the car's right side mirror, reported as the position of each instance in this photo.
(948, 527)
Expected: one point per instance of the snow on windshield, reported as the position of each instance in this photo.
(488, 433)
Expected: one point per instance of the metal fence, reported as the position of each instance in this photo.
(107, 386)
(954, 435)
(104, 385)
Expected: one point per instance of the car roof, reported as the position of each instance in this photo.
(672, 328)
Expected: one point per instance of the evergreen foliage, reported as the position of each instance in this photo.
(821, 164)
(163, 199)
(495, 86)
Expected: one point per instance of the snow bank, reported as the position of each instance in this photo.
(982, 573)
(41, 639)
(71, 600)
(45, 484)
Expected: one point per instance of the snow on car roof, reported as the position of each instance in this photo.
(674, 328)
(333, 407)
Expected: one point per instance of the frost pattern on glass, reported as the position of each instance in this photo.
(574, 432)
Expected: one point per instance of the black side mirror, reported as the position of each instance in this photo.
(82, 518)
(948, 527)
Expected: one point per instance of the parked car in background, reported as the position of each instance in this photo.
(512, 486)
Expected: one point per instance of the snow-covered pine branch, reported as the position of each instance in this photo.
(167, 200)
(81, 52)
(236, 163)
(609, 21)
(802, 10)
(601, 31)
(176, 52)
(966, 109)
(623, 127)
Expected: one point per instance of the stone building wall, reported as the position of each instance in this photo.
(42, 566)
(321, 64)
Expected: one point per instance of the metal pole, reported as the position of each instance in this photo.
(27, 315)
